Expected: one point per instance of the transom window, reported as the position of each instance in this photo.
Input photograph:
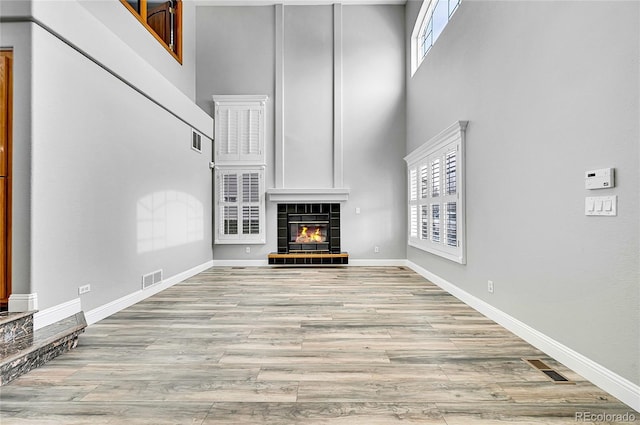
(163, 19)
(432, 18)
(436, 195)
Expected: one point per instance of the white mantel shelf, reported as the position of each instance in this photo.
(307, 195)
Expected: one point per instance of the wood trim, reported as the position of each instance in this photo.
(309, 255)
(7, 57)
(142, 18)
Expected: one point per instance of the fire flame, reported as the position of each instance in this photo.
(305, 237)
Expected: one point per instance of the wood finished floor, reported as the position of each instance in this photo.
(353, 345)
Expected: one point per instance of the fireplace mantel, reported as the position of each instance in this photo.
(307, 195)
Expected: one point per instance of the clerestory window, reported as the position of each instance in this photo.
(432, 18)
(163, 19)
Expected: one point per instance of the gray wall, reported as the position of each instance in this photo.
(236, 55)
(118, 19)
(550, 90)
(18, 37)
(106, 185)
(308, 96)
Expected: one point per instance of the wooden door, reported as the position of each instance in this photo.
(6, 105)
(159, 18)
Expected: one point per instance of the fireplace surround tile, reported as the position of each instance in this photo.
(293, 250)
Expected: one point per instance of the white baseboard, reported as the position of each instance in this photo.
(56, 313)
(240, 263)
(377, 263)
(115, 306)
(23, 302)
(621, 388)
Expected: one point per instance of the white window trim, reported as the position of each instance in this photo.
(452, 137)
(424, 15)
(240, 237)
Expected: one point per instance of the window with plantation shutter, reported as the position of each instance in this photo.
(436, 194)
(239, 164)
(239, 129)
(240, 200)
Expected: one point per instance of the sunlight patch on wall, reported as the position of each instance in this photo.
(168, 219)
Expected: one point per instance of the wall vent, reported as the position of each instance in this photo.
(151, 278)
(196, 141)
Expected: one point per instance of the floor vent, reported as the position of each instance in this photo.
(552, 374)
(151, 278)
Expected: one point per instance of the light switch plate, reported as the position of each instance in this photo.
(601, 205)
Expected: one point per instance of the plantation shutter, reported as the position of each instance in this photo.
(251, 203)
(239, 163)
(413, 204)
(451, 198)
(240, 199)
(229, 203)
(239, 132)
(436, 210)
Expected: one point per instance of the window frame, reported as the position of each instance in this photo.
(419, 34)
(142, 18)
(423, 196)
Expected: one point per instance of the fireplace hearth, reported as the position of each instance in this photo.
(308, 233)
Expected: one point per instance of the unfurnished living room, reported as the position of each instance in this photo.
(319, 212)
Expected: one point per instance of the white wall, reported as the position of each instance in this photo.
(237, 55)
(112, 189)
(550, 90)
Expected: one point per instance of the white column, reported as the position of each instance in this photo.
(337, 97)
(279, 98)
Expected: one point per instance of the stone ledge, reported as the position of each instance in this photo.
(13, 327)
(34, 350)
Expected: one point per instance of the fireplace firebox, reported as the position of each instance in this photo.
(308, 234)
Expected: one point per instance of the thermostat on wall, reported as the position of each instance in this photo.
(599, 179)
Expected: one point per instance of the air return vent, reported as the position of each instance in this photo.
(196, 141)
(151, 278)
(552, 374)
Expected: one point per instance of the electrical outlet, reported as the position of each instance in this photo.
(376, 249)
(490, 286)
(247, 250)
(84, 289)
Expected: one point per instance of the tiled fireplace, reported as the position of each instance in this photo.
(308, 233)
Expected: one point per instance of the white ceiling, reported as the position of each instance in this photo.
(291, 2)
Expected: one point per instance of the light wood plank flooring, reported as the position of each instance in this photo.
(352, 345)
